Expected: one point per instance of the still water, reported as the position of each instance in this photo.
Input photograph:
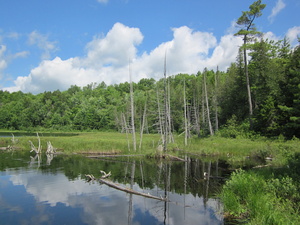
(41, 189)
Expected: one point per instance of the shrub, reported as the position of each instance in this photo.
(250, 197)
(233, 129)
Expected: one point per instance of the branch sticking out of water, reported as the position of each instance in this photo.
(105, 175)
(50, 148)
(89, 177)
(33, 148)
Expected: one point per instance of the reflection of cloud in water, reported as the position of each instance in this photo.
(103, 212)
(52, 188)
(7, 206)
(104, 205)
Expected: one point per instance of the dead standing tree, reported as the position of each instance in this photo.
(216, 100)
(50, 148)
(207, 105)
(185, 116)
(167, 130)
(166, 105)
(132, 112)
(143, 125)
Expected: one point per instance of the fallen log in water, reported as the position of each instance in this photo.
(174, 158)
(103, 180)
(130, 191)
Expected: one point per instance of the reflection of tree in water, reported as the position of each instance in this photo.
(186, 178)
(180, 182)
(49, 158)
(33, 160)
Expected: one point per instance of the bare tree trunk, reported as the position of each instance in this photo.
(203, 107)
(196, 114)
(126, 130)
(50, 148)
(171, 138)
(185, 116)
(216, 99)
(132, 113)
(166, 104)
(189, 119)
(248, 82)
(207, 107)
(33, 148)
(40, 146)
(161, 129)
(143, 124)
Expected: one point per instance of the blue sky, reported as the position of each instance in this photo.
(50, 45)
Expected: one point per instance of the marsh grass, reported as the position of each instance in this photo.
(232, 149)
(86, 142)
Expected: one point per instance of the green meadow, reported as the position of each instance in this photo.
(73, 142)
(232, 149)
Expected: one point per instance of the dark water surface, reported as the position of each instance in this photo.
(53, 190)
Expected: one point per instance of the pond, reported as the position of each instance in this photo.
(53, 189)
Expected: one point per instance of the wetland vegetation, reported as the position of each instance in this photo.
(249, 112)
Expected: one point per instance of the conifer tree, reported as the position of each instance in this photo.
(247, 31)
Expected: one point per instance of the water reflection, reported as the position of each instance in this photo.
(36, 191)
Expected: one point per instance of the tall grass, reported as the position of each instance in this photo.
(92, 142)
(232, 149)
(251, 198)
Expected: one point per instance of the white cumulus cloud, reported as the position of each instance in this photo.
(225, 53)
(280, 5)
(116, 48)
(107, 58)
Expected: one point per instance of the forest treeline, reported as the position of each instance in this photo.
(199, 104)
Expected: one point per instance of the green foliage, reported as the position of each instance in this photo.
(273, 71)
(246, 21)
(284, 188)
(250, 197)
(232, 129)
(294, 164)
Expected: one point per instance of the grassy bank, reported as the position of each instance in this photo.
(232, 149)
(108, 142)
